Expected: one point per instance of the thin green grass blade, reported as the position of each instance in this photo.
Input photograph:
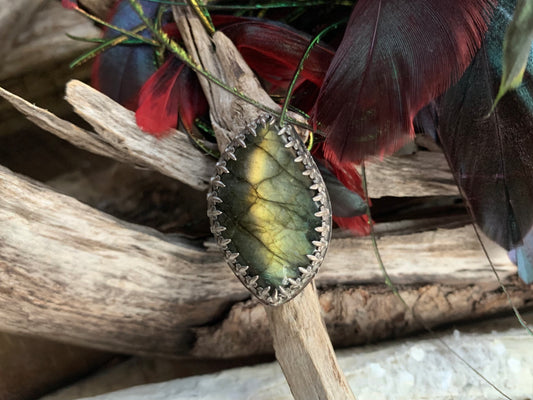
(300, 67)
(516, 48)
(180, 52)
(394, 289)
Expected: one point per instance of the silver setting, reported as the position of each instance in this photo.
(291, 287)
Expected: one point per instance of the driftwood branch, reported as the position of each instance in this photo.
(304, 350)
(119, 137)
(33, 36)
(308, 360)
(145, 293)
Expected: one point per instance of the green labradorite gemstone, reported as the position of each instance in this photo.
(269, 214)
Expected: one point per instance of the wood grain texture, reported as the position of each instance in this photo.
(90, 279)
(217, 55)
(40, 41)
(423, 173)
(117, 135)
(304, 351)
(308, 361)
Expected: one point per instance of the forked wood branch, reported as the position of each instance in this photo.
(80, 275)
(308, 360)
(74, 274)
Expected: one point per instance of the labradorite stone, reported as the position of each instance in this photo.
(268, 209)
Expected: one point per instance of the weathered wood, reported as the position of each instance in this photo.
(218, 55)
(40, 40)
(420, 174)
(32, 367)
(315, 374)
(304, 351)
(423, 173)
(401, 370)
(119, 137)
(144, 293)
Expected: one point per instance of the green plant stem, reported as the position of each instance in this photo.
(177, 50)
(300, 67)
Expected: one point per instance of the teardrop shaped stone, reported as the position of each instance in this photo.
(270, 211)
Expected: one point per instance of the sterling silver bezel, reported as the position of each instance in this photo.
(283, 293)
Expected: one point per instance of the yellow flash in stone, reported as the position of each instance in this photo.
(267, 211)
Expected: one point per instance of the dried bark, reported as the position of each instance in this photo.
(92, 280)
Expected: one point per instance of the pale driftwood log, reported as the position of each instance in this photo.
(15, 17)
(145, 293)
(401, 370)
(119, 137)
(308, 360)
(43, 41)
(304, 350)
(420, 174)
(409, 175)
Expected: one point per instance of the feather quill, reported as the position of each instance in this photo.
(395, 57)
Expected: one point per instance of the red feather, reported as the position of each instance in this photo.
(395, 57)
(70, 4)
(172, 92)
(347, 174)
(273, 50)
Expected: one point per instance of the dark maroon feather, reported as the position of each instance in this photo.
(492, 155)
(396, 56)
(273, 50)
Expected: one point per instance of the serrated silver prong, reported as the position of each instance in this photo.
(221, 168)
(232, 256)
(299, 159)
(216, 182)
(214, 199)
(251, 130)
(303, 270)
(314, 186)
(283, 291)
(223, 242)
(318, 198)
(213, 212)
(240, 141)
(241, 269)
(252, 280)
(319, 229)
(322, 213)
(229, 152)
(312, 257)
(293, 282)
(216, 228)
